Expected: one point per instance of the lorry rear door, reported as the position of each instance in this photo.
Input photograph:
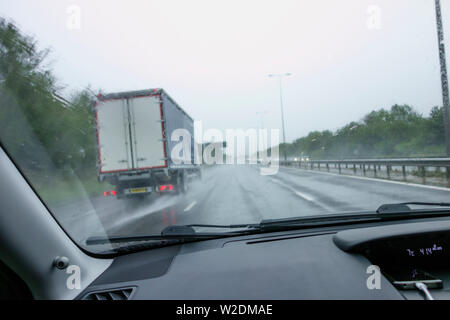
(113, 136)
(147, 132)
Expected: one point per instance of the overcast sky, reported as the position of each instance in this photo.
(213, 57)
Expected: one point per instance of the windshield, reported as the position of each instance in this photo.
(129, 117)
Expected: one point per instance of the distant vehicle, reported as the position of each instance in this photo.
(302, 159)
(305, 158)
(134, 143)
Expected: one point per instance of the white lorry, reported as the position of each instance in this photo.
(134, 143)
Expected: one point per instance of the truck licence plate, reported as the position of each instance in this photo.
(138, 190)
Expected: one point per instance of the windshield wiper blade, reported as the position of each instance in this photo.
(403, 207)
(135, 238)
(171, 233)
(224, 226)
(387, 211)
(316, 219)
(438, 204)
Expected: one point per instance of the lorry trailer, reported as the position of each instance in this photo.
(134, 145)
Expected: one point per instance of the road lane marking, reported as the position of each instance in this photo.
(189, 207)
(298, 193)
(302, 195)
(374, 179)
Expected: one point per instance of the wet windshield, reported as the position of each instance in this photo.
(130, 117)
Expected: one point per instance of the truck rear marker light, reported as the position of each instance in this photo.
(166, 187)
(109, 193)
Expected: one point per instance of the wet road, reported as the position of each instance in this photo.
(230, 194)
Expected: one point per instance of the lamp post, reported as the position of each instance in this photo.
(280, 77)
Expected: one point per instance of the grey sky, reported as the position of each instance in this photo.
(213, 57)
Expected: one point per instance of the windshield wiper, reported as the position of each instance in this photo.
(315, 221)
(174, 234)
(403, 207)
(229, 226)
(386, 211)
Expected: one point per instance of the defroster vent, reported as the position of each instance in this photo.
(113, 294)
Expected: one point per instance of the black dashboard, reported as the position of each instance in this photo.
(319, 263)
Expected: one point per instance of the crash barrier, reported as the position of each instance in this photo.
(373, 167)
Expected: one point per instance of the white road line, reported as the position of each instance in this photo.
(374, 179)
(189, 207)
(304, 196)
(298, 193)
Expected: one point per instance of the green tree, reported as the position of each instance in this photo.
(398, 132)
(45, 134)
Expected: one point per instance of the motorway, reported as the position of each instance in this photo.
(235, 194)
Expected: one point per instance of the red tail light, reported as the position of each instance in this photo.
(109, 193)
(166, 187)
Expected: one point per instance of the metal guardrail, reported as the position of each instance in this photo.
(375, 165)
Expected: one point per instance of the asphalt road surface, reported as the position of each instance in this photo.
(235, 194)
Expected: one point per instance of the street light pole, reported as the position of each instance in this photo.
(444, 79)
(280, 76)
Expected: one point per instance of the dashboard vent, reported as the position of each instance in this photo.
(115, 294)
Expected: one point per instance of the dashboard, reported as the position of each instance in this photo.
(319, 263)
